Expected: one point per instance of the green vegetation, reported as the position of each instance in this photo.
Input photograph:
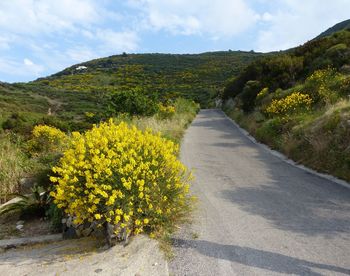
(34, 148)
(298, 102)
(162, 76)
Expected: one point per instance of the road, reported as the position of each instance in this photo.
(256, 214)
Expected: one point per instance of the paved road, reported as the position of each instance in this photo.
(257, 215)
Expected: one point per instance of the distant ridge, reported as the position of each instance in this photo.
(344, 25)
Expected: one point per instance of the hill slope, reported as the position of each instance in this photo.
(198, 77)
(344, 25)
(298, 102)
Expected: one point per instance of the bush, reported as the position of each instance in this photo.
(249, 94)
(133, 103)
(319, 85)
(270, 132)
(120, 175)
(47, 138)
(17, 123)
(290, 104)
(165, 111)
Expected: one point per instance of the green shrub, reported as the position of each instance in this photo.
(133, 103)
(269, 132)
(18, 123)
(55, 216)
(249, 94)
(33, 205)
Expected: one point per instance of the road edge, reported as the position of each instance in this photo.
(14, 243)
(284, 158)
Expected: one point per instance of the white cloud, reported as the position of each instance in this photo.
(33, 17)
(25, 69)
(28, 62)
(220, 18)
(296, 21)
(59, 33)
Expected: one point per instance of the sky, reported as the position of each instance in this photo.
(41, 37)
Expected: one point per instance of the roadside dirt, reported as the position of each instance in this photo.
(85, 257)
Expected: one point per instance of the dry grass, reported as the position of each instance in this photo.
(12, 168)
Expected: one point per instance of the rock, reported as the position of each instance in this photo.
(78, 232)
(86, 232)
(19, 227)
(70, 233)
(20, 222)
(69, 222)
(26, 183)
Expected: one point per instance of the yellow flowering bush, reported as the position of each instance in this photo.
(120, 175)
(289, 104)
(47, 138)
(166, 111)
(319, 85)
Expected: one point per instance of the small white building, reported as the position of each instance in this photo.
(81, 67)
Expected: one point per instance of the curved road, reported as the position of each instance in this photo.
(257, 215)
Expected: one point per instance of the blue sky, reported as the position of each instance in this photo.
(41, 37)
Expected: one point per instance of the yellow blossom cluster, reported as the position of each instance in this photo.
(262, 93)
(47, 138)
(319, 85)
(165, 111)
(118, 174)
(289, 104)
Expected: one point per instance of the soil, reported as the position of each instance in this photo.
(31, 227)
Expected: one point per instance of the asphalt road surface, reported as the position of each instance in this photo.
(256, 214)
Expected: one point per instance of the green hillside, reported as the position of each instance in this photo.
(298, 102)
(198, 77)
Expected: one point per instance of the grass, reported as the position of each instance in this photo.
(13, 165)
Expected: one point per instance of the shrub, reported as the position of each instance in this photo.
(290, 104)
(34, 204)
(248, 96)
(183, 106)
(123, 176)
(18, 123)
(319, 83)
(165, 111)
(132, 102)
(47, 138)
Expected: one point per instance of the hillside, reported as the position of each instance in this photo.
(344, 25)
(298, 102)
(198, 77)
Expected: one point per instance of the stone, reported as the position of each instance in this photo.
(20, 222)
(70, 233)
(19, 227)
(86, 232)
(26, 183)
(69, 222)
